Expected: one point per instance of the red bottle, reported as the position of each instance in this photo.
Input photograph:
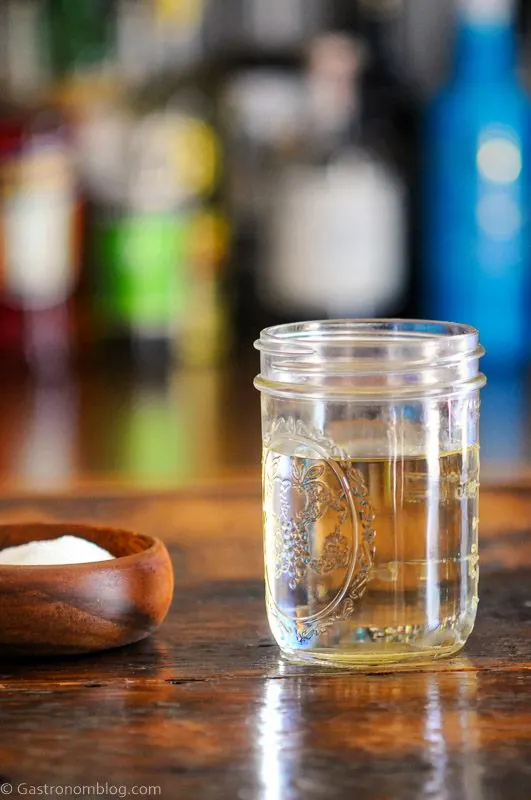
(38, 247)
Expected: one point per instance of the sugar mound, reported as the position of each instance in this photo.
(64, 550)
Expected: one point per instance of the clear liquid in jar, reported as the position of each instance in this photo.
(370, 560)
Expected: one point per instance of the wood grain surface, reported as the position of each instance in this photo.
(206, 708)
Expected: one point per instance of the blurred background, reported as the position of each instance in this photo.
(177, 174)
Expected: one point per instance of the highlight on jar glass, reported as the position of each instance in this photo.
(370, 488)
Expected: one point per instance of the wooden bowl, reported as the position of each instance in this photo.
(81, 608)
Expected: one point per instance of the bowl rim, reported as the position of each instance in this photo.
(154, 546)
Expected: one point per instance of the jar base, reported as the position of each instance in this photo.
(387, 655)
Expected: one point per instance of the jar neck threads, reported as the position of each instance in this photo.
(364, 358)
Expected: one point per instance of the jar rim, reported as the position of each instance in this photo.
(369, 357)
(366, 332)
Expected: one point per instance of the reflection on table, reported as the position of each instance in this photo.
(197, 426)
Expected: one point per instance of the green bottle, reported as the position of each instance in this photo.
(81, 34)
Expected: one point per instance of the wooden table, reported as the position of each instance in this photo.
(207, 709)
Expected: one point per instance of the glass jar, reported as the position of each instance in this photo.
(370, 488)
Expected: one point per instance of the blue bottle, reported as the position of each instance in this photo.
(477, 180)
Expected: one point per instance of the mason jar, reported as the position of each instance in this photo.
(370, 488)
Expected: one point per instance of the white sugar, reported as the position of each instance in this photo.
(65, 550)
